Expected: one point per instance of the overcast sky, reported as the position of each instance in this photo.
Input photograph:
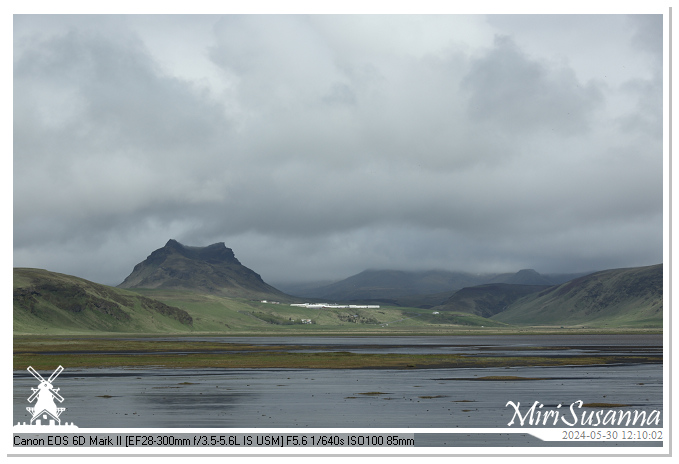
(320, 146)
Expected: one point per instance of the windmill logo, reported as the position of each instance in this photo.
(45, 408)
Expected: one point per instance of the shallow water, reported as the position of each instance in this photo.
(488, 345)
(352, 398)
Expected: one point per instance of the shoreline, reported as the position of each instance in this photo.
(47, 352)
(448, 331)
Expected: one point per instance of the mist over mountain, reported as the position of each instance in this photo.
(380, 284)
(396, 284)
(523, 277)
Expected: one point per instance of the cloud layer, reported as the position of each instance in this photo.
(319, 146)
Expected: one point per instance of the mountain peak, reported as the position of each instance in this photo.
(172, 244)
(209, 269)
(523, 277)
(528, 272)
(215, 253)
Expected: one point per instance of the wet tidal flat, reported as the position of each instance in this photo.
(423, 382)
(338, 352)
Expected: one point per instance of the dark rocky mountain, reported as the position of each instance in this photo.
(488, 299)
(212, 269)
(630, 297)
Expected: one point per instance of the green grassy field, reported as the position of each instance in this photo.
(60, 319)
(47, 303)
(213, 314)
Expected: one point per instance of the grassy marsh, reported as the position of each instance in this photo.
(48, 352)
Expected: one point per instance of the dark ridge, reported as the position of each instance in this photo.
(488, 299)
(211, 269)
(215, 253)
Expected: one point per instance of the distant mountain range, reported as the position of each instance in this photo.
(209, 283)
(624, 297)
(395, 285)
(212, 269)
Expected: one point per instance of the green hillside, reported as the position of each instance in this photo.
(49, 302)
(487, 300)
(52, 303)
(630, 297)
(213, 313)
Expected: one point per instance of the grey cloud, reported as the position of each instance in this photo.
(646, 90)
(133, 139)
(317, 156)
(277, 61)
(647, 113)
(340, 94)
(121, 99)
(648, 33)
(520, 94)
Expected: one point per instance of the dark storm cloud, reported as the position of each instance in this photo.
(318, 146)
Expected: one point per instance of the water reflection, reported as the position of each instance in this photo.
(449, 398)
